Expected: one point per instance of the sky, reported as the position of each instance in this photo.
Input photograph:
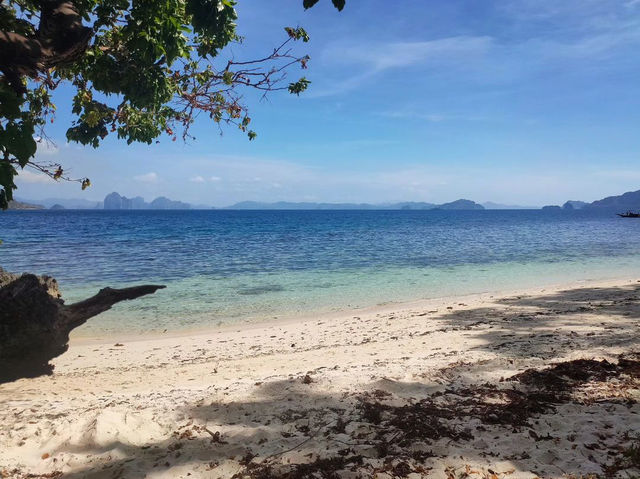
(527, 102)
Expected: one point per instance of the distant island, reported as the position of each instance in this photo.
(629, 201)
(574, 205)
(285, 205)
(624, 202)
(114, 201)
(66, 203)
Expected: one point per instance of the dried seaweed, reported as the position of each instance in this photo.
(393, 431)
(325, 468)
(565, 375)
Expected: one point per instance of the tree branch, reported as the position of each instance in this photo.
(60, 38)
(77, 314)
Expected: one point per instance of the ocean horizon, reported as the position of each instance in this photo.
(223, 267)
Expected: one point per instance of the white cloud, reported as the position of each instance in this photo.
(372, 58)
(431, 117)
(147, 178)
(429, 179)
(202, 179)
(31, 177)
(590, 47)
(46, 147)
(383, 56)
(582, 32)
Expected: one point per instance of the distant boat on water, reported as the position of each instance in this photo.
(628, 214)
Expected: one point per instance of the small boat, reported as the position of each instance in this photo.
(628, 214)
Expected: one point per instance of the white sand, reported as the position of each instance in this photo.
(195, 404)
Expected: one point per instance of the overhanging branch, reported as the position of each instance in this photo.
(60, 38)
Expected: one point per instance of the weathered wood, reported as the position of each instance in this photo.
(35, 323)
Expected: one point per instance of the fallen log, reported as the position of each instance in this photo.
(35, 323)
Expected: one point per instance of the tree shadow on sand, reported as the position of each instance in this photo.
(543, 420)
(520, 327)
(376, 431)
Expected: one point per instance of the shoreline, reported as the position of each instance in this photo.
(543, 383)
(201, 304)
(387, 307)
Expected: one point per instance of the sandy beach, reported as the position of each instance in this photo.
(538, 383)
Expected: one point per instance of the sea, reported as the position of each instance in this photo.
(223, 267)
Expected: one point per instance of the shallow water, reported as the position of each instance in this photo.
(223, 266)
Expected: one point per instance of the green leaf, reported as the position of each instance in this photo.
(297, 33)
(309, 3)
(9, 102)
(92, 118)
(339, 4)
(17, 140)
(7, 173)
(299, 86)
(227, 78)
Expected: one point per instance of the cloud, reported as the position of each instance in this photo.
(202, 179)
(430, 117)
(428, 178)
(551, 34)
(247, 178)
(589, 47)
(147, 178)
(405, 54)
(27, 176)
(373, 58)
(46, 147)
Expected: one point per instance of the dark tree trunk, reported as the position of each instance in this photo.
(60, 38)
(35, 323)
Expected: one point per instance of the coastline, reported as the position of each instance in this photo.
(78, 338)
(433, 388)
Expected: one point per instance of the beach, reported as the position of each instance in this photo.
(451, 387)
(427, 266)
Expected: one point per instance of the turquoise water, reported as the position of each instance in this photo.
(230, 266)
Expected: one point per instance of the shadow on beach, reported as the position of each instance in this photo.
(541, 405)
(524, 326)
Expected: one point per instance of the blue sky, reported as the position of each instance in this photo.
(514, 101)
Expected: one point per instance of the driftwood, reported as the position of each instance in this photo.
(35, 323)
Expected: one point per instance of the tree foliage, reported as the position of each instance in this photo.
(138, 69)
